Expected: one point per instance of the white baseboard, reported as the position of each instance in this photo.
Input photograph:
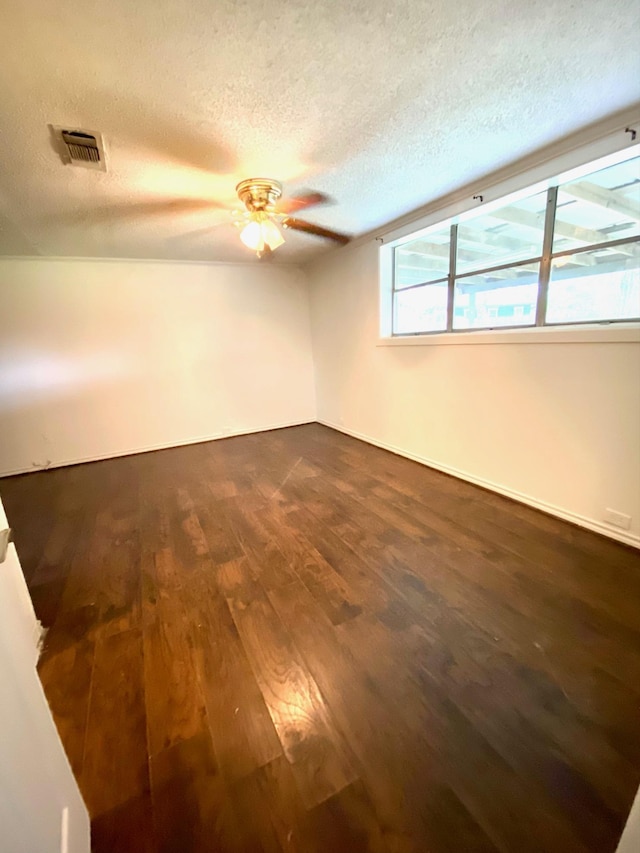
(581, 520)
(150, 447)
(566, 515)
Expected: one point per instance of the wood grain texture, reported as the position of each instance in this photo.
(293, 642)
(173, 695)
(115, 767)
(128, 828)
(319, 756)
(192, 807)
(66, 678)
(242, 730)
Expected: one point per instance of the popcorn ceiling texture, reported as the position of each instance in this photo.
(385, 106)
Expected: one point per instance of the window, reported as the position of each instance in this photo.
(505, 297)
(570, 254)
(506, 236)
(421, 282)
(421, 309)
(423, 260)
(595, 264)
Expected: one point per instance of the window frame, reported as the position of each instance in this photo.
(544, 260)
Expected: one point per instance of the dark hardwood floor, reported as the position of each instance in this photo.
(293, 641)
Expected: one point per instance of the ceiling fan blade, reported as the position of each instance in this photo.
(171, 206)
(301, 202)
(316, 230)
(197, 232)
(138, 210)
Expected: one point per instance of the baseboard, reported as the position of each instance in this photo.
(574, 518)
(151, 447)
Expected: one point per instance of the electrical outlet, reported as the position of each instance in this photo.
(618, 519)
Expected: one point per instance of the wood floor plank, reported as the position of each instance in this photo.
(242, 730)
(619, 769)
(66, 677)
(47, 600)
(269, 800)
(269, 565)
(459, 750)
(372, 590)
(489, 519)
(192, 807)
(80, 601)
(188, 538)
(321, 761)
(119, 583)
(331, 591)
(384, 740)
(430, 562)
(345, 822)
(55, 559)
(222, 543)
(173, 697)
(115, 767)
(128, 828)
(293, 641)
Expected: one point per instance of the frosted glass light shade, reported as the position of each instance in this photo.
(260, 233)
(271, 234)
(251, 236)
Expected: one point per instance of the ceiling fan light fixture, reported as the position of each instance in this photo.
(261, 231)
(265, 211)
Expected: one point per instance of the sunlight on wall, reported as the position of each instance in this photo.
(33, 374)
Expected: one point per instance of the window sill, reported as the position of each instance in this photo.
(604, 333)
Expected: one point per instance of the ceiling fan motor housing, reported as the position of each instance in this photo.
(259, 193)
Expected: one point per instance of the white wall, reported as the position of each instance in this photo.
(630, 841)
(556, 424)
(99, 358)
(36, 782)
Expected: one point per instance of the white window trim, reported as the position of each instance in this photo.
(580, 333)
(600, 153)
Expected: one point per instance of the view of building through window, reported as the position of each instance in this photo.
(568, 255)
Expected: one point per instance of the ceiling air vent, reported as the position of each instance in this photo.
(80, 148)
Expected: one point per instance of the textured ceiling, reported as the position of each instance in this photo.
(384, 106)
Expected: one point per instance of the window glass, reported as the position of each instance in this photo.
(505, 297)
(499, 257)
(422, 260)
(600, 207)
(421, 309)
(508, 235)
(599, 285)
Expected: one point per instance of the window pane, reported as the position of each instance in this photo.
(422, 260)
(511, 234)
(599, 285)
(600, 207)
(503, 298)
(423, 309)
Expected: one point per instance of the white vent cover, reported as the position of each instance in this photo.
(80, 147)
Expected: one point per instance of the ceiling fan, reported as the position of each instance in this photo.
(265, 211)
